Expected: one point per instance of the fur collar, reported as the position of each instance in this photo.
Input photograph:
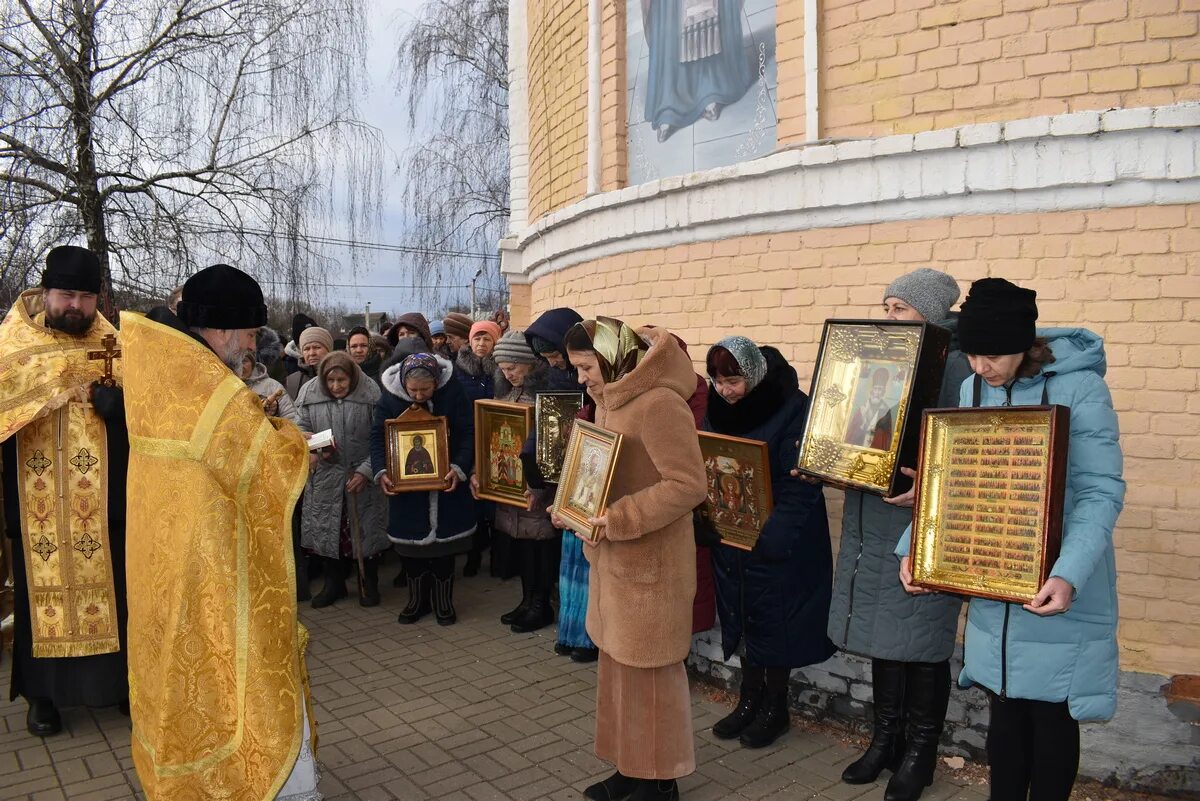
(268, 345)
(392, 383)
(665, 365)
(537, 381)
(291, 349)
(760, 405)
(474, 366)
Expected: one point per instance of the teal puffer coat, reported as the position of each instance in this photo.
(1069, 657)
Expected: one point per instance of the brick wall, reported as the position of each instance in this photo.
(1132, 275)
(902, 66)
(614, 159)
(557, 104)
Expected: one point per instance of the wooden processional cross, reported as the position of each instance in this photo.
(109, 354)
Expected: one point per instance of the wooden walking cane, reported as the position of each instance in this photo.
(356, 538)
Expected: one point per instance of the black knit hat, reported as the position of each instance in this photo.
(222, 297)
(72, 268)
(299, 323)
(997, 318)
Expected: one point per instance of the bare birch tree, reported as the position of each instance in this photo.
(169, 133)
(452, 71)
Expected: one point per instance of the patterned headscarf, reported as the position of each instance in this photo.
(617, 346)
(748, 357)
(420, 361)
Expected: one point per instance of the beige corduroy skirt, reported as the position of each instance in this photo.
(644, 720)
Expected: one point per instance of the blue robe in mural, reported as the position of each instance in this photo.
(677, 93)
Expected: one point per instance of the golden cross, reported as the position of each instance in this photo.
(110, 352)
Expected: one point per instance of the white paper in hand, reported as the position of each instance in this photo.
(322, 439)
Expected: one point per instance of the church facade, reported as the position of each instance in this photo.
(833, 146)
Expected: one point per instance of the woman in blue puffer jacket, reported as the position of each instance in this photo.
(1051, 663)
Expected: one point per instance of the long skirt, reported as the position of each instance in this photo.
(573, 573)
(644, 720)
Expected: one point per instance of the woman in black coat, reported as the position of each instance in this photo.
(774, 599)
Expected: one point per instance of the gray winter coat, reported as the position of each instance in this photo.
(264, 387)
(324, 496)
(871, 614)
(519, 523)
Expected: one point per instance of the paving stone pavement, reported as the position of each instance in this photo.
(470, 711)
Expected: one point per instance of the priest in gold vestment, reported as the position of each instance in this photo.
(216, 666)
(64, 445)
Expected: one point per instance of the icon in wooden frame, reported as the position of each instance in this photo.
(418, 451)
(587, 476)
(501, 429)
(871, 382)
(987, 517)
(738, 475)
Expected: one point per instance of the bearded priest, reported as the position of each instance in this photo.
(65, 449)
(217, 686)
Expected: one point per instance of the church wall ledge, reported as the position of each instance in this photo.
(1091, 159)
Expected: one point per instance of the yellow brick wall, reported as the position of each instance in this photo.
(903, 66)
(1131, 275)
(614, 162)
(557, 104)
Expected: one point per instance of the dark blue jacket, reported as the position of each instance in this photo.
(776, 596)
(412, 524)
(476, 376)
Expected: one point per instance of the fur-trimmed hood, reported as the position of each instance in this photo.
(474, 366)
(665, 365)
(293, 350)
(392, 383)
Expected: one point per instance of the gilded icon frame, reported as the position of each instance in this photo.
(491, 417)
(584, 494)
(988, 501)
(416, 421)
(738, 480)
(559, 408)
(853, 439)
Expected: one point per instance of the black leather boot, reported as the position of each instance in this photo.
(656, 790)
(585, 655)
(335, 583)
(42, 719)
(419, 585)
(528, 566)
(749, 700)
(772, 720)
(443, 600)
(887, 739)
(370, 583)
(926, 695)
(539, 613)
(616, 787)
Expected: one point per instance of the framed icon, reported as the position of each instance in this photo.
(417, 451)
(587, 475)
(987, 517)
(501, 429)
(554, 415)
(738, 472)
(871, 383)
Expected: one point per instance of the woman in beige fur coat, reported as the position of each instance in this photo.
(643, 578)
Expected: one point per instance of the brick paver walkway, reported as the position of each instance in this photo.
(469, 712)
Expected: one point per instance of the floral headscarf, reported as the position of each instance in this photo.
(420, 361)
(617, 346)
(749, 358)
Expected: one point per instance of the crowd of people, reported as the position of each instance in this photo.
(657, 571)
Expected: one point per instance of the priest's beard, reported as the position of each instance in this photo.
(235, 357)
(72, 322)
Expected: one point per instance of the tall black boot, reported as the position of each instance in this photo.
(926, 696)
(539, 613)
(887, 740)
(420, 583)
(369, 593)
(443, 591)
(749, 699)
(528, 558)
(773, 718)
(335, 583)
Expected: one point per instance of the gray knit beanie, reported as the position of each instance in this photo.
(513, 348)
(931, 292)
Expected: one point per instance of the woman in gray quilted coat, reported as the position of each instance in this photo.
(341, 495)
(908, 638)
